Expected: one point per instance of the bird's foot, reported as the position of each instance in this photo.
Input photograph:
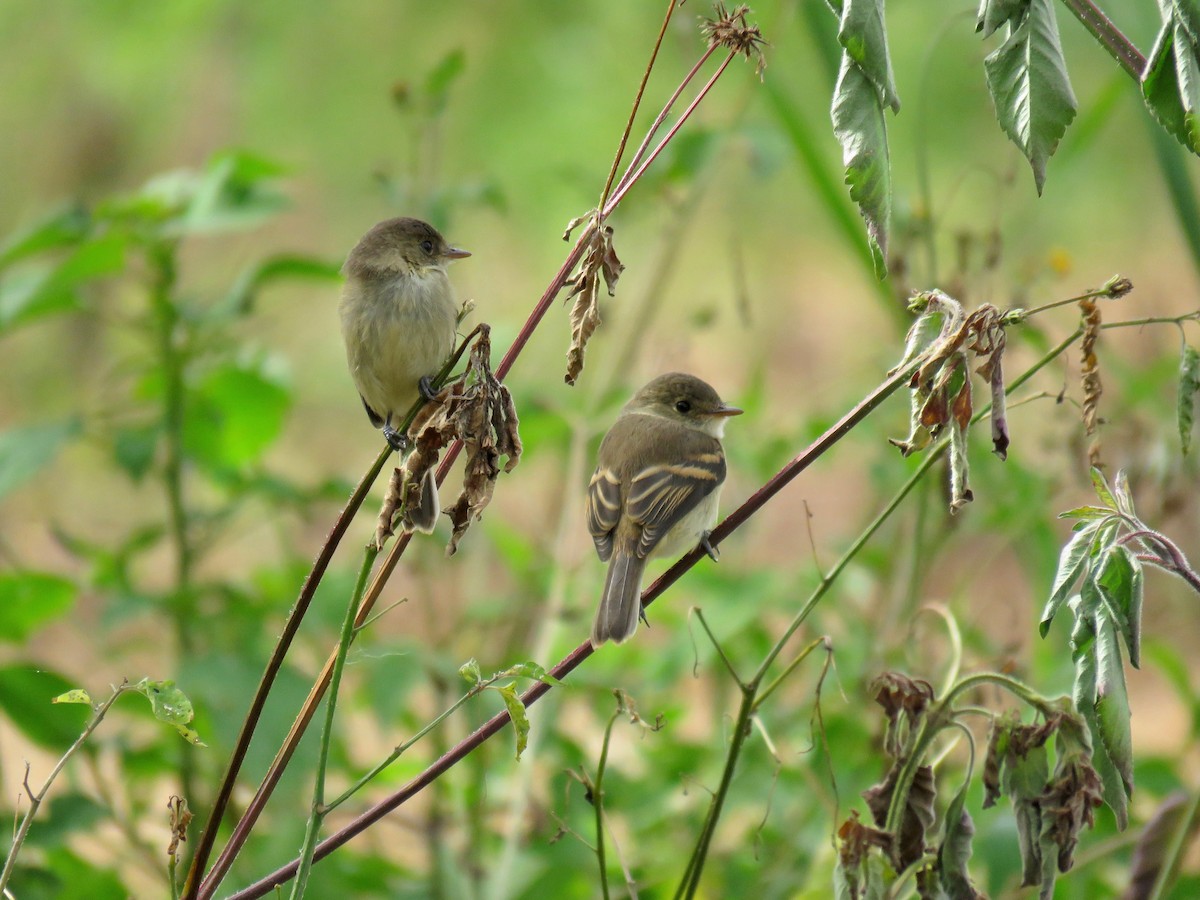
(708, 548)
(396, 440)
(642, 616)
(425, 387)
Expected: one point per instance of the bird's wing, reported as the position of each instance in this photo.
(662, 494)
(603, 509)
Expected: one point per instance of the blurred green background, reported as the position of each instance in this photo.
(498, 121)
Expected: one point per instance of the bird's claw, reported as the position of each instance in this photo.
(425, 387)
(708, 548)
(396, 440)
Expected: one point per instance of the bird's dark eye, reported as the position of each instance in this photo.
(683, 406)
(427, 246)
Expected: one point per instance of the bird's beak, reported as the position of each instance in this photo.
(725, 411)
(456, 253)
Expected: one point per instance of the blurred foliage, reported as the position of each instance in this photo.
(178, 430)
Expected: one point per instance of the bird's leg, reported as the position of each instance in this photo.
(642, 614)
(709, 548)
(396, 440)
(425, 387)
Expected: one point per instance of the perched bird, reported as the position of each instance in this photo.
(399, 317)
(655, 489)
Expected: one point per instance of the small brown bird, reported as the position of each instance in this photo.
(655, 489)
(399, 316)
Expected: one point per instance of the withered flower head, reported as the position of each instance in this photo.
(729, 29)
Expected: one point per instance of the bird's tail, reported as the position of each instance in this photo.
(621, 603)
(422, 507)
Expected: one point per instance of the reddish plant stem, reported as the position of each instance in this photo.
(274, 664)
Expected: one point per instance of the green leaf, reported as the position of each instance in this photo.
(232, 193)
(1119, 583)
(1171, 83)
(170, 705)
(62, 228)
(864, 36)
(26, 692)
(532, 670)
(1112, 705)
(1086, 512)
(1072, 561)
(78, 695)
(30, 295)
(25, 450)
(1100, 486)
(470, 672)
(1084, 692)
(240, 299)
(518, 714)
(861, 130)
(1027, 77)
(133, 449)
(1189, 387)
(954, 851)
(235, 413)
(28, 600)
(441, 77)
(994, 13)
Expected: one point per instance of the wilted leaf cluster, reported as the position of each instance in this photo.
(941, 384)
(1051, 808)
(477, 409)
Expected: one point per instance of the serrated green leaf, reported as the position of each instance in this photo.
(25, 695)
(1112, 705)
(1189, 387)
(1072, 560)
(1169, 84)
(1119, 582)
(23, 451)
(1027, 78)
(1086, 512)
(860, 128)
(863, 35)
(518, 714)
(28, 600)
(994, 13)
(1100, 486)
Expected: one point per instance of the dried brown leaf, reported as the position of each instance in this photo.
(600, 261)
(918, 816)
(1092, 388)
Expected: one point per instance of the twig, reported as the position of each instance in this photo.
(1110, 37)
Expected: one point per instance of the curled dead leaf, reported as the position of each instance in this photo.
(600, 261)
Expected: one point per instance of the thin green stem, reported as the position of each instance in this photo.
(36, 797)
(741, 729)
(1179, 842)
(717, 646)
(598, 803)
(788, 669)
(319, 810)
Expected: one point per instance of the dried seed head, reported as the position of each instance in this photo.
(729, 29)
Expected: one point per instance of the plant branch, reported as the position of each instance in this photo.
(1119, 47)
(36, 797)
